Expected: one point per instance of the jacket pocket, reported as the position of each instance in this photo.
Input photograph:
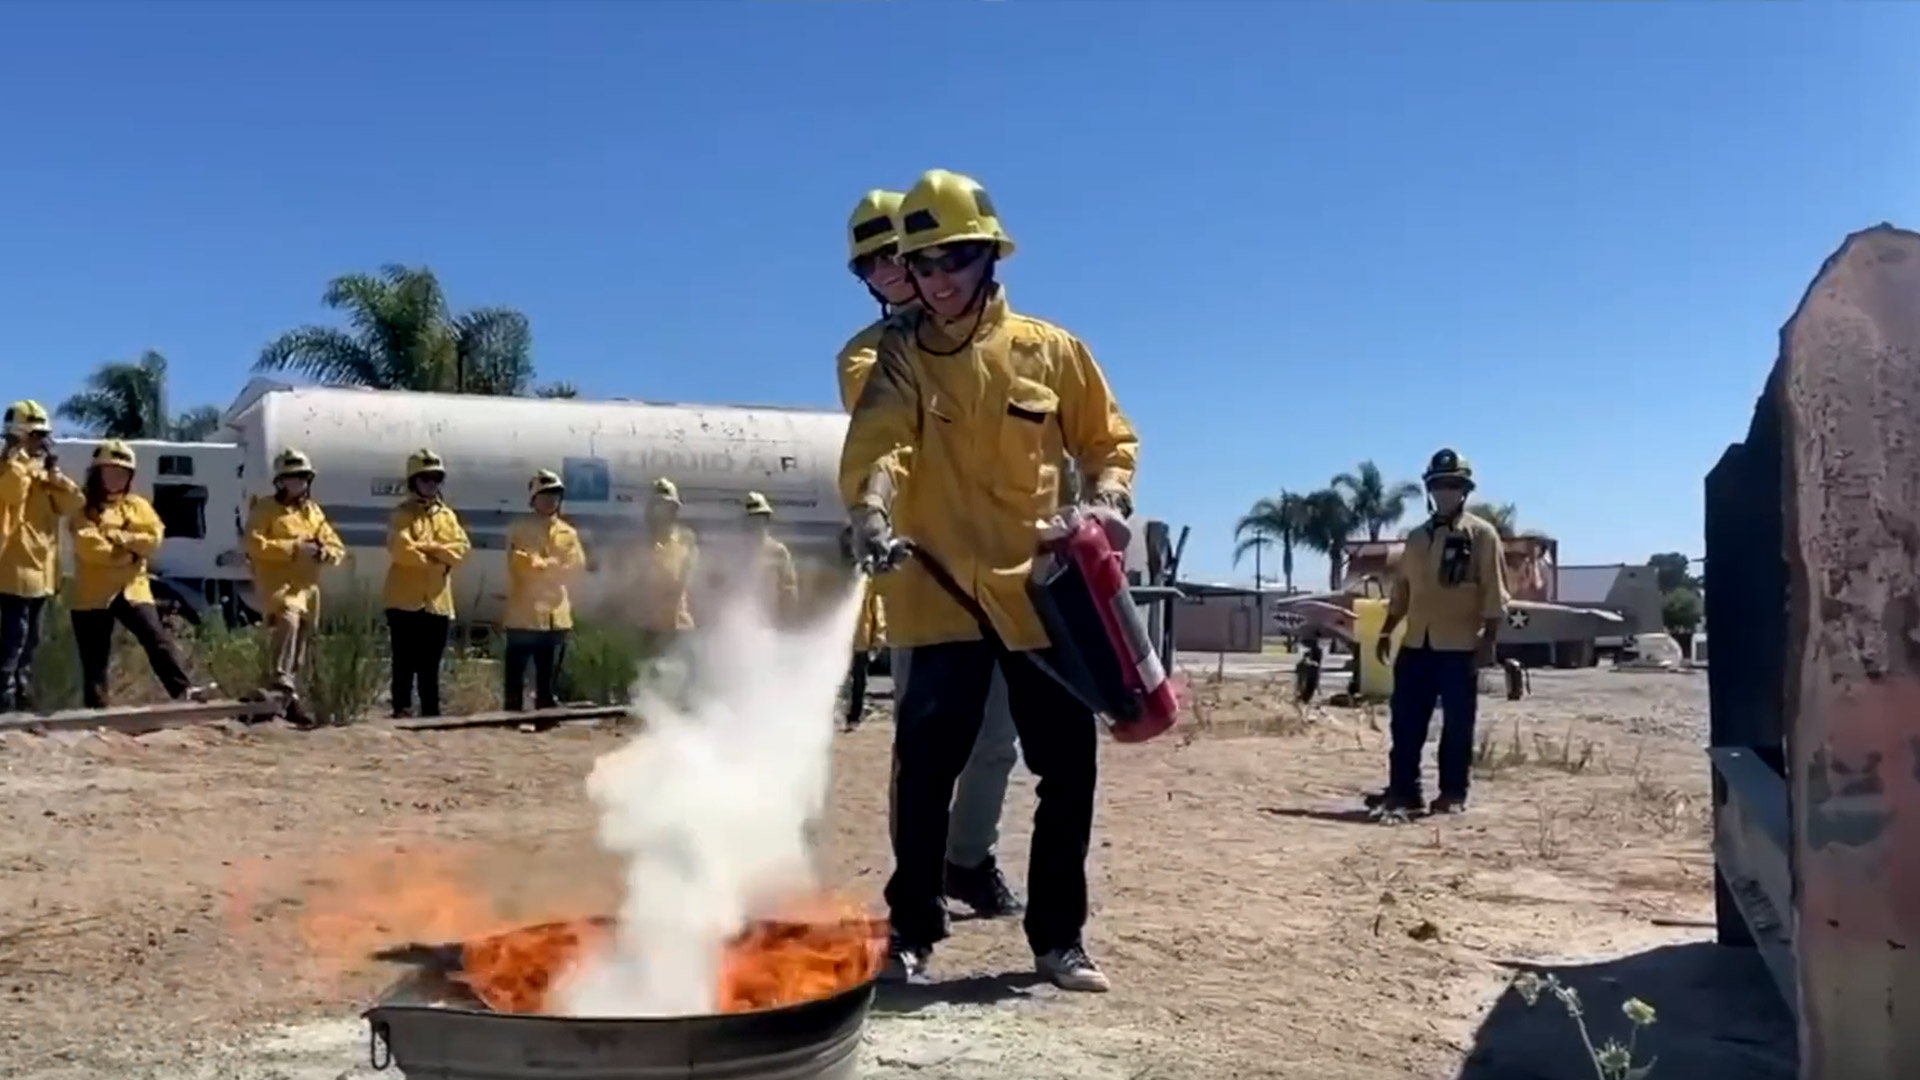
(1030, 445)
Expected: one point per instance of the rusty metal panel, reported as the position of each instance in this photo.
(1850, 412)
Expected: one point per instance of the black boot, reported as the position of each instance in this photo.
(1390, 803)
(984, 889)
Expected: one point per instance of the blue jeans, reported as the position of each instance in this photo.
(1422, 678)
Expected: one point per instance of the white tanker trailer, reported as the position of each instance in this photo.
(608, 452)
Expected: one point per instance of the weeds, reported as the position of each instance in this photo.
(1612, 1059)
(1569, 754)
(604, 660)
(347, 661)
(234, 659)
(1546, 842)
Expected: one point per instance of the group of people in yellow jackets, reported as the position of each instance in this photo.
(114, 533)
(963, 414)
(290, 542)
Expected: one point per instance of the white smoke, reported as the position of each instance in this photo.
(711, 802)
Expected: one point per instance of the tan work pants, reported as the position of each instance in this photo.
(289, 634)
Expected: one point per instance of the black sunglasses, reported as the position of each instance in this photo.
(862, 265)
(949, 260)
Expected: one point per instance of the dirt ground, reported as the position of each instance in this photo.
(149, 889)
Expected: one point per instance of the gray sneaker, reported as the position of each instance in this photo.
(1072, 969)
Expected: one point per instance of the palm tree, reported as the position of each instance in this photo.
(1376, 504)
(1268, 522)
(1504, 517)
(404, 336)
(1326, 521)
(196, 424)
(129, 401)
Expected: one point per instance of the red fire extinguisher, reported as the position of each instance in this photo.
(1152, 706)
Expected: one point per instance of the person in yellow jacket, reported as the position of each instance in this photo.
(671, 557)
(772, 560)
(869, 636)
(34, 496)
(289, 541)
(973, 874)
(988, 402)
(425, 542)
(115, 533)
(543, 555)
(1450, 590)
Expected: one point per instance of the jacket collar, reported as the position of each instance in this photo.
(951, 333)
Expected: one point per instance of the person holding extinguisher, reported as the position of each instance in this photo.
(972, 875)
(979, 404)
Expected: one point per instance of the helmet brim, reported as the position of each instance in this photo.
(1003, 247)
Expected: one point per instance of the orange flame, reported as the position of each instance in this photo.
(513, 956)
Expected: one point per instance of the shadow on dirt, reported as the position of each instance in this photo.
(1344, 816)
(897, 998)
(1718, 1015)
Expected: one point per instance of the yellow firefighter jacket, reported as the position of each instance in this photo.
(286, 572)
(32, 503)
(988, 420)
(1442, 614)
(773, 565)
(110, 553)
(855, 364)
(543, 555)
(670, 560)
(424, 542)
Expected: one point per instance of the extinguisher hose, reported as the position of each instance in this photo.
(972, 606)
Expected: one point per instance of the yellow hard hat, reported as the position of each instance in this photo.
(874, 225)
(292, 462)
(115, 452)
(664, 491)
(544, 481)
(424, 462)
(1448, 464)
(28, 418)
(948, 208)
(758, 506)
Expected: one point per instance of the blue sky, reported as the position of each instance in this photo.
(1559, 236)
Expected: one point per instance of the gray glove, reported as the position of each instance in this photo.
(1111, 509)
(870, 541)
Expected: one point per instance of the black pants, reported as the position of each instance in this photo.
(419, 641)
(857, 687)
(19, 637)
(936, 721)
(93, 636)
(545, 650)
(1423, 677)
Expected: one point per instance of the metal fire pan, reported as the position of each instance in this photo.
(432, 1029)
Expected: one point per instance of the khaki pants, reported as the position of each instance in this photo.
(289, 635)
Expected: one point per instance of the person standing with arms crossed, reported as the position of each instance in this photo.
(1450, 590)
(114, 535)
(34, 497)
(289, 541)
(543, 555)
(426, 543)
(973, 875)
(987, 402)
